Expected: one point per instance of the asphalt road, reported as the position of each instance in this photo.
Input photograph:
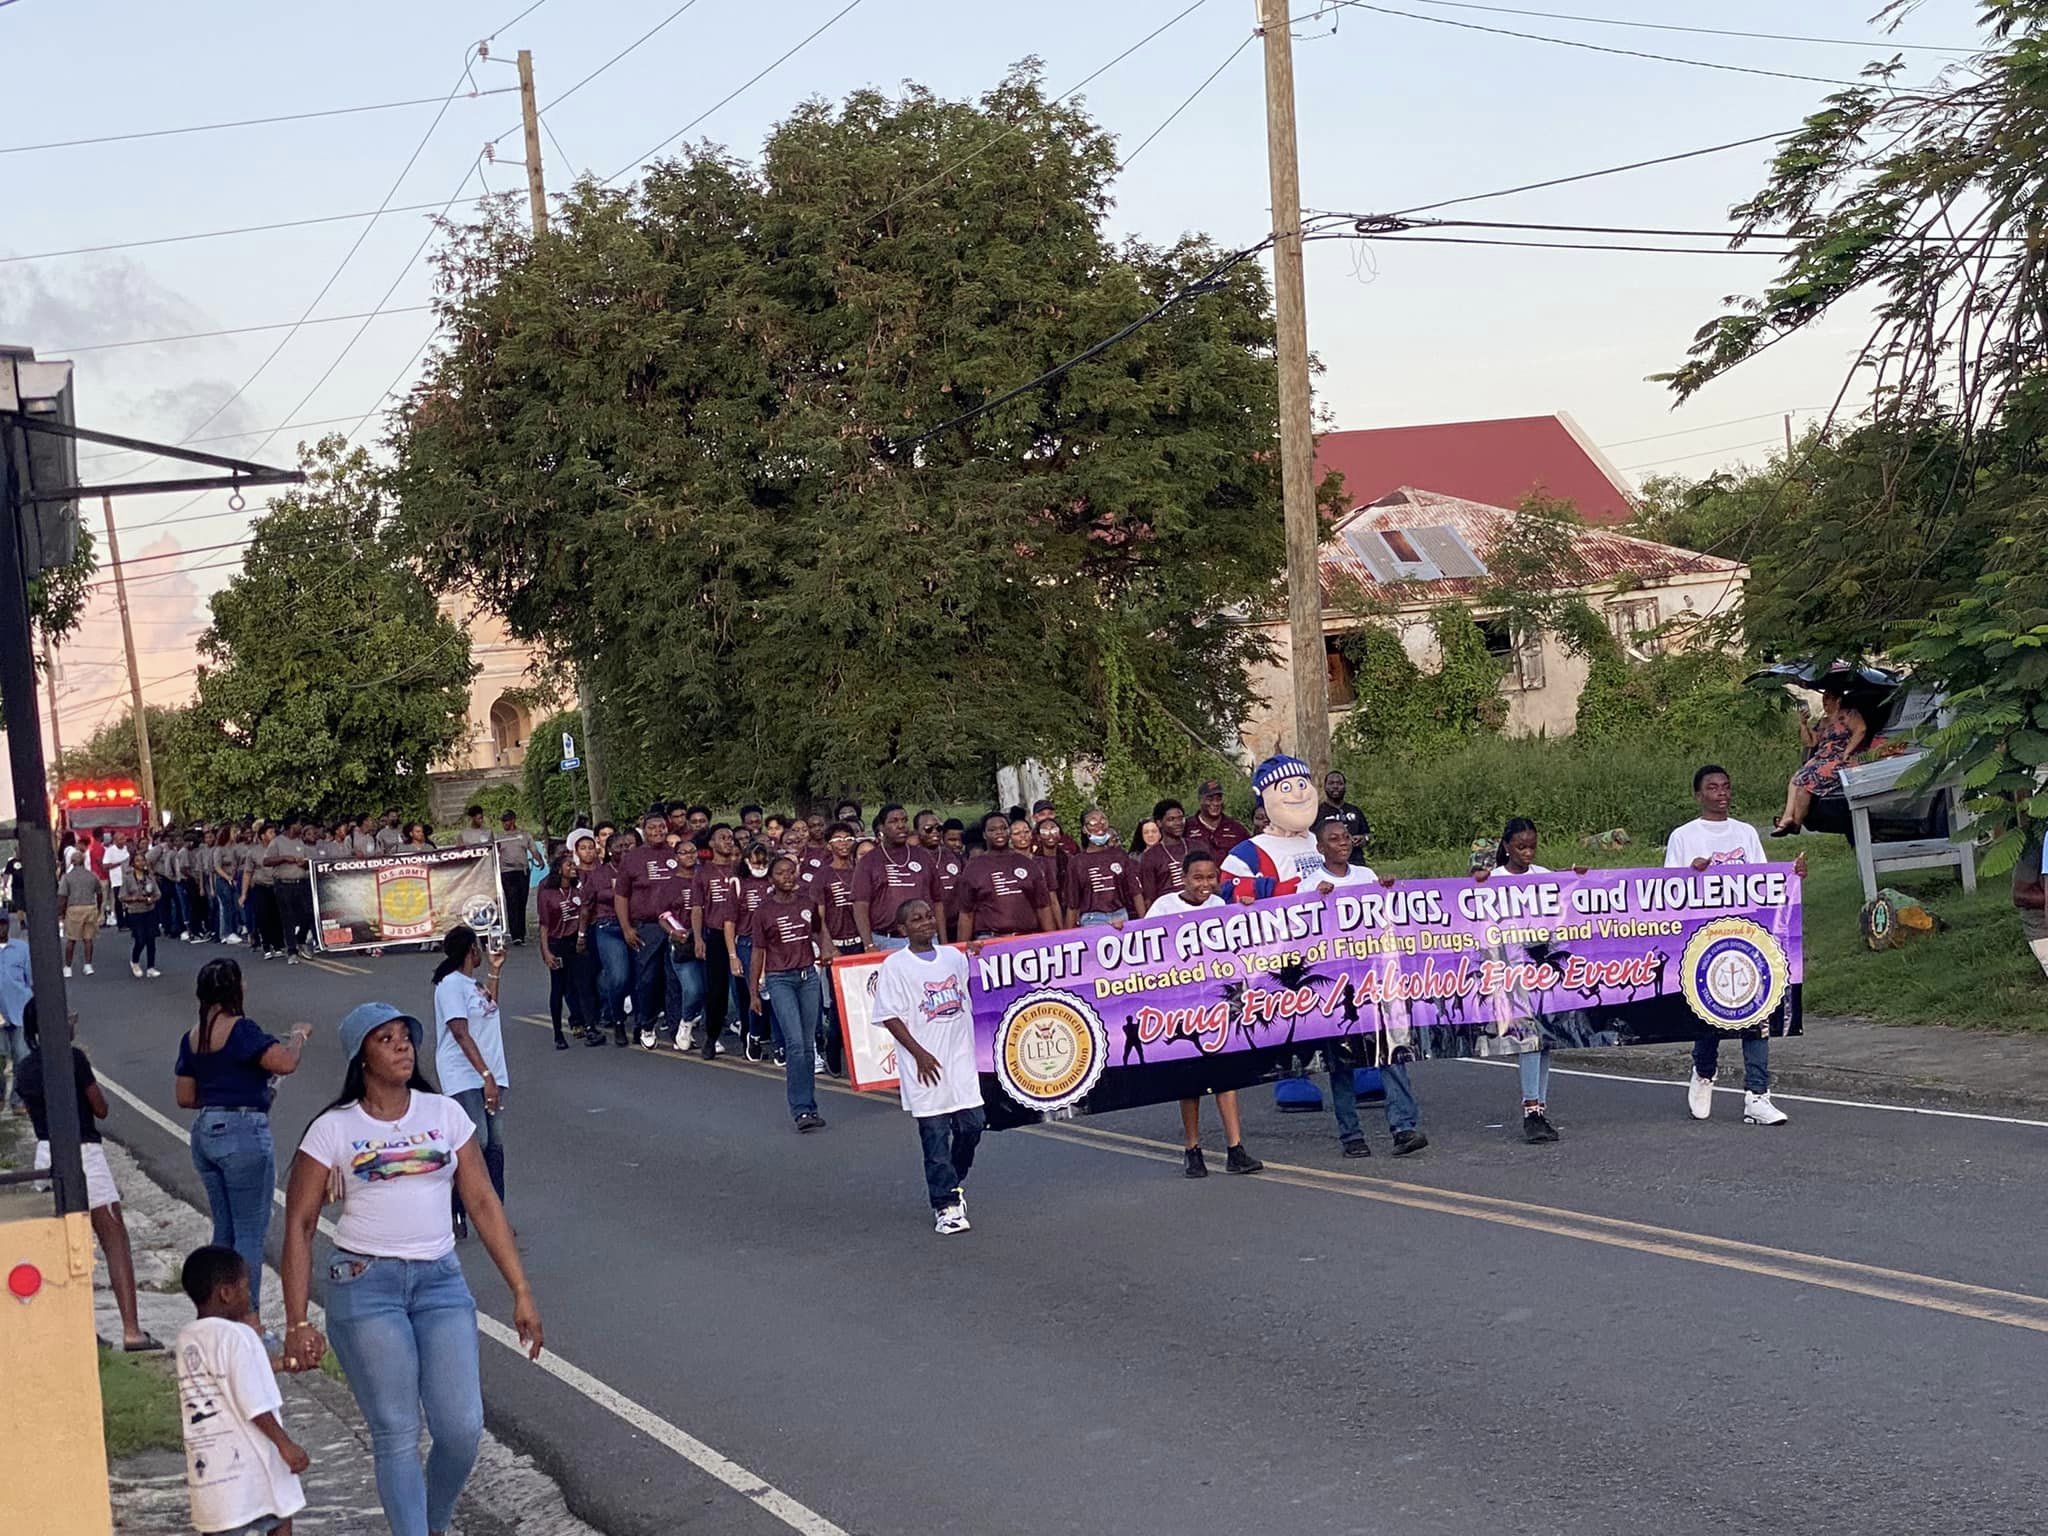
(1652, 1326)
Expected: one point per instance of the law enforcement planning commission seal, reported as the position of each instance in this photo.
(1050, 1049)
(1734, 973)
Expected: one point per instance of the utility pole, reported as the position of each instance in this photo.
(134, 673)
(1297, 438)
(537, 202)
(1788, 439)
(56, 730)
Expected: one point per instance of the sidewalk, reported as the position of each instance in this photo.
(506, 1493)
(1926, 1064)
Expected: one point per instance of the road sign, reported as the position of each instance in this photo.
(568, 747)
(569, 763)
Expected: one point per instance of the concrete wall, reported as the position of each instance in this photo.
(1549, 704)
(55, 1455)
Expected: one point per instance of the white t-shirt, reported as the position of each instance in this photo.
(117, 862)
(1354, 874)
(400, 1175)
(1718, 842)
(1170, 904)
(929, 994)
(233, 1472)
(459, 997)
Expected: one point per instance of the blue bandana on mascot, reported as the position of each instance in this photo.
(1273, 862)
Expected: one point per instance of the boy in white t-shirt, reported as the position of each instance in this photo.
(1710, 839)
(921, 1000)
(1201, 875)
(241, 1468)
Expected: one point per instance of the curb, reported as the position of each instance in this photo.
(1828, 1079)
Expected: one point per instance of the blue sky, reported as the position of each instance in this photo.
(1393, 112)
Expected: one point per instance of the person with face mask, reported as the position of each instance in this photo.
(1102, 879)
(754, 883)
(1198, 893)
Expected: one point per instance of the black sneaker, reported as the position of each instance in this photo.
(1357, 1148)
(1406, 1142)
(619, 1035)
(709, 1050)
(751, 1048)
(810, 1120)
(561, 1041)
(1536, 1126)
(1196, 1168)
(1237, 1160)
(781, 1056)
(593, 1037)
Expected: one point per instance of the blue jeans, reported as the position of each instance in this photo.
(797, 1000)
(949, 1143)
(685, 982)
(1535, 1067)
(405, 1333)
(490, 1138)
(1098, 919)
(1756, 1060)
(649, 961)
(1402, 1114)
(181, 908)
(12, 1049)
(885, 942)
(747, 1006)
(227, 910)
(232, 1150)
(614, 972)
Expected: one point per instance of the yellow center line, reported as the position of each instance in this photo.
(1904, 1287)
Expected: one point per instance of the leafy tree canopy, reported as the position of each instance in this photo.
(676, 444)
(329, 680)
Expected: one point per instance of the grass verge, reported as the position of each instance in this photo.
(138, 1403)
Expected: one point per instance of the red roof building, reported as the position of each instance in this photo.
(1496, 463)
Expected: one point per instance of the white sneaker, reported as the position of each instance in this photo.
(135, 970)
(1757, 1109)
(67, 973)
(152, 972)
(686, 1037)
(952, 1219)
(88, 967)
(233, 938)
(649, 1039)
(1699, 1096)
(960, 1201)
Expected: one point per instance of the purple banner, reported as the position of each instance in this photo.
(1104, 1018)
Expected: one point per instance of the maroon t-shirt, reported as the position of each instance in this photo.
(682, 901)
(885, 880)
(1103, 880)
(647, 879)
(782, 931)
(1159, 871)
(754, 890)
(947, 874)
(833, 889)
(1052, 869)
(718, 895)
(561, 910)
(1220, 839)
(598, 886)
(1002, 893)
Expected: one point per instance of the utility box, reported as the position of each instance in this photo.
(39, 462)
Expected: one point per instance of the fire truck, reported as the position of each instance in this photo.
(101, 806)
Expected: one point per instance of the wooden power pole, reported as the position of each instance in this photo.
(56, 726)
(134, 673)
(1297, 439)
(537, 203)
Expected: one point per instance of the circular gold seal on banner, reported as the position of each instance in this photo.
(1734, 973)
(1050, 1049)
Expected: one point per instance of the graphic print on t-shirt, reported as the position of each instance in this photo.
(375, 1158)
(943, 999)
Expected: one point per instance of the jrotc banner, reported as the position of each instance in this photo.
(1100, 1018)
(406, 898)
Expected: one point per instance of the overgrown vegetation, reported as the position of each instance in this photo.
(138, 1403)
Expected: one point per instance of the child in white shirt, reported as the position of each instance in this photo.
(241, 1468)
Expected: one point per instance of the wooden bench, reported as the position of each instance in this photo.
(1874, 788)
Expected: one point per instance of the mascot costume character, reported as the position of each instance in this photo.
(1275, 861)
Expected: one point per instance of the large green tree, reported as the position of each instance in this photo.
(682, 443)
(329, 680)
(1919, 532)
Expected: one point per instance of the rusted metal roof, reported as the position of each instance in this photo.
(1359, 568)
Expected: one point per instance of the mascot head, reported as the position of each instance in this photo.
(1288, 793)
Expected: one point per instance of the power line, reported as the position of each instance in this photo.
(253, 122)
(218, 437)
(1715, 426)
(976, 153)
(1611, 170)
(1394, 223)
(1228, 59)
(1567, 42)
(607, 64)
(1555, 245)
(215, 234)
(240, 330)
(1701, 453)
(1666, 26)
(744, 86)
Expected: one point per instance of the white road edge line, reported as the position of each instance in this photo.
(1793, 1098)
(756, 1490)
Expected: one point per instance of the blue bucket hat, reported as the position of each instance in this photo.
(364, 1019)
